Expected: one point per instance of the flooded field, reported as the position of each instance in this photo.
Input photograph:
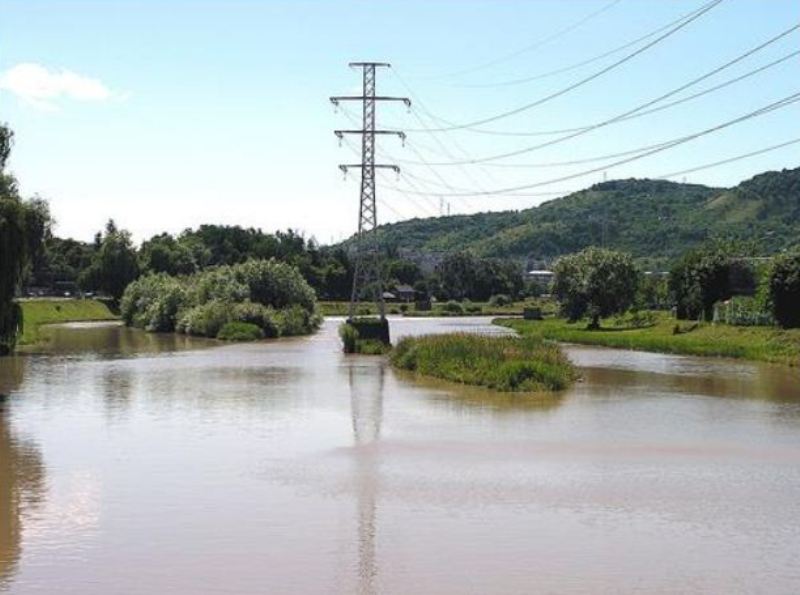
(158, 464)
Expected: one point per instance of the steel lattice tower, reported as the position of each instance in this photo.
(368, 274)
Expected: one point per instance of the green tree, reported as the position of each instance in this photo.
(164, 254)
(23, 226)
(700, 279)
(595, 283)
(784, 289)
(114, 264)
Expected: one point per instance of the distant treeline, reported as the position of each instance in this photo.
(112, 261)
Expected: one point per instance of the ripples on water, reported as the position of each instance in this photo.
(159, 464)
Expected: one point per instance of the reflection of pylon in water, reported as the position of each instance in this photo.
(366, 410)
(366, 404)
(368, 275)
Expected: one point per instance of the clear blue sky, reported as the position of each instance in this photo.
(165, 115)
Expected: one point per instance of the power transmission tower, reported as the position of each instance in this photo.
(368, 276)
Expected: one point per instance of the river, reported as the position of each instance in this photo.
(135, 463)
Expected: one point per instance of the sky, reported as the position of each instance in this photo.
(165, 115)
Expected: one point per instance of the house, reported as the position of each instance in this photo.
(541, 277)
(405, 293)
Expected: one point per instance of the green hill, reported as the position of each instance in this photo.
(655, 220)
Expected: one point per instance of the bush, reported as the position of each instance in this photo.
(452, 307)
(295, 321)
(206, 320)
(271, 295)
(258, 315)
(153, 303)
(240, 331)
(349, 336)
(500, 300)
(784, 290)
(276, 284)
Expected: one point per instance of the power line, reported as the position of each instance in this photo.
(551, 164)
(731, 159)
(631, 113)
(584, 62)
(552, 37)
(761, 111)
(639, 114)
(703, 10)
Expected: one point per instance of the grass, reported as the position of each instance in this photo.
(508, 364)
(240, 331)
(768, 344)
(37, 313)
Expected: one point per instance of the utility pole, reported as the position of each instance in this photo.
(368, 276)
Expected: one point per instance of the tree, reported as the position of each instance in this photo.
(464, 275)
(784, 289)
(700, 279)
(595, 283)
(23, 225)
(114, 264)
(163, 254)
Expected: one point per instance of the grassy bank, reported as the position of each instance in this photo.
(510, 364)
(37, 313)
(766, 344)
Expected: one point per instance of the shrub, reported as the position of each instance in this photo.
(240, 331)
(153, 302)
(349, 336)
(295, 321)
(784, 290)
(268, 294)
(258, 315)
(206, 320)
(500, 300)
(452, 307)
(217, 284)
(275, 284)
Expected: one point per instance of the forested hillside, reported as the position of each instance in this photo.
(655, 220)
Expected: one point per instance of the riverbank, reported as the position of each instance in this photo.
(438, 309)
(507, 364)
(37, 313)
(767, 344)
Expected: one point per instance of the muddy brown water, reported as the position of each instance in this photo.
(134, 463)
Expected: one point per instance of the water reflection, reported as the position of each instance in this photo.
(366, 407)
(21, 475)
(461, 396)
(608, 370)
(111, 338)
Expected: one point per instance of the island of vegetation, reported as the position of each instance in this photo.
(248, 301)
(507, 364)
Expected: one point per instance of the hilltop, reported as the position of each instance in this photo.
(655, 220)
